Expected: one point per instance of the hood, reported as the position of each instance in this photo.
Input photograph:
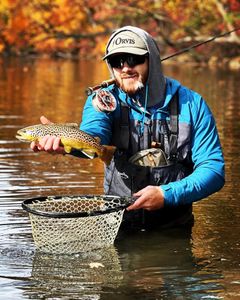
(156, 81)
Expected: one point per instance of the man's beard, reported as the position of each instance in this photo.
(131, 87)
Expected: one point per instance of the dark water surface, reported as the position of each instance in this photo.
(171, 264)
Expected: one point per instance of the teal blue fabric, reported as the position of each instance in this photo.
(198, 140)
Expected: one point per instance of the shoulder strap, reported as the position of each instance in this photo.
(124, 126)
(124, 135)
(173, 127)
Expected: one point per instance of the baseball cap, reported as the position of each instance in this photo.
(126, 42)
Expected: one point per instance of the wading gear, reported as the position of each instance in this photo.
(195, 166)
(152, 157)
(129, 175)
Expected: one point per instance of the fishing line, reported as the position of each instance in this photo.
(89, 91)
(199, 44)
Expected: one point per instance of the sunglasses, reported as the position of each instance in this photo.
(132, 60)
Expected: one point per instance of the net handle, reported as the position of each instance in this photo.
(126, 202)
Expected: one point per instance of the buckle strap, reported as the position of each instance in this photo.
(173, 127)
(124, 126)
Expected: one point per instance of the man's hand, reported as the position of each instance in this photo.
(50, 144)
(149, 198)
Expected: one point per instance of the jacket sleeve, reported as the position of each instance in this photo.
(208, 172)
(97, 124)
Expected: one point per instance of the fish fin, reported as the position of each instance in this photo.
(72, 125)
(98, 139)
(107, 154)
(68, 124)
(67, 149)
(88, 153)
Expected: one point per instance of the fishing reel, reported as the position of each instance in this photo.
(104, 101)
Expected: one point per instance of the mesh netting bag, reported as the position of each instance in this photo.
(72, 224)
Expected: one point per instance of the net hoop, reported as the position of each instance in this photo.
(111, 204)
(73, 224)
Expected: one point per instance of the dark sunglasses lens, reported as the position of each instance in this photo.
(115, 61)
(132, 60)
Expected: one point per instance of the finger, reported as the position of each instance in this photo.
(56, 143)
(41, 144)
(137, 204)
(34, 146)
(140, 192)
(49, 144)
(44, 120)
(57, 146)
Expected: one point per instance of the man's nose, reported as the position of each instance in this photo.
(125, 66)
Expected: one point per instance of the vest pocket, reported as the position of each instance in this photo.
(165, 174)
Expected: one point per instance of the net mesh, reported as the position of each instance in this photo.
(74, 234)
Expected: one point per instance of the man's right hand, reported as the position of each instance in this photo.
(48, 143)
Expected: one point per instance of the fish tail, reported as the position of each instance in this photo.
(107, 154)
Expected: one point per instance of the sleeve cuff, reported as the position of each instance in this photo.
(168, 195)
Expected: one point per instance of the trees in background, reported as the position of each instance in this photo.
(82, 27)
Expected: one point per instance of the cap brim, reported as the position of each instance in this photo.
(130, 50)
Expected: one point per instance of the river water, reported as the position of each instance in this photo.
(170, 264)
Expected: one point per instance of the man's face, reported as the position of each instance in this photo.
(130, 71)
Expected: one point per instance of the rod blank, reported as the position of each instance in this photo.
(104, 84)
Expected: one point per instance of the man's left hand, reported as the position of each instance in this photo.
(149, 198)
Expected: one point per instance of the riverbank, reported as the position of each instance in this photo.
(223, 55)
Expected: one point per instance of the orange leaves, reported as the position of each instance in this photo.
(16, 31)
(19, 22)
(84, 26)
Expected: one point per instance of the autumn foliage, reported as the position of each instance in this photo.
(81, 27)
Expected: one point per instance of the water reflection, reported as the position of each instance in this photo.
(128, 270)
(164, 266)
(201, 264)
(74, 276)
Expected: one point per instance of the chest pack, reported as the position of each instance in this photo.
(161, 134)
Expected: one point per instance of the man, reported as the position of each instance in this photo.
(156, 113)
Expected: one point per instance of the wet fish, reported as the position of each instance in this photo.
(71, 138)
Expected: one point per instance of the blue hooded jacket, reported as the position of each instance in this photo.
(198, 140)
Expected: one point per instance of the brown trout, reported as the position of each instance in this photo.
(71, 138)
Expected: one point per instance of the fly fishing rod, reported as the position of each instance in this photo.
(108, 82)
(199, 44)
(104, 84)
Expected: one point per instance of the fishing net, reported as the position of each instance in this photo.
(74, 224)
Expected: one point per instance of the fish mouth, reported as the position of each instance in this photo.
(21, 138)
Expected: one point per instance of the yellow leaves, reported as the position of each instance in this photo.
(60, 2)
(100, 46)
(3, 6)
(84, 25)
(1, 47)
(39, 16)
(66, 18)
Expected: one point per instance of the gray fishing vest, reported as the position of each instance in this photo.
(123, 178)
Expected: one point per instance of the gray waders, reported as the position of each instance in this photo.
(123, 178)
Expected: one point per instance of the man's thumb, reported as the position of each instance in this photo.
(44, 120)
